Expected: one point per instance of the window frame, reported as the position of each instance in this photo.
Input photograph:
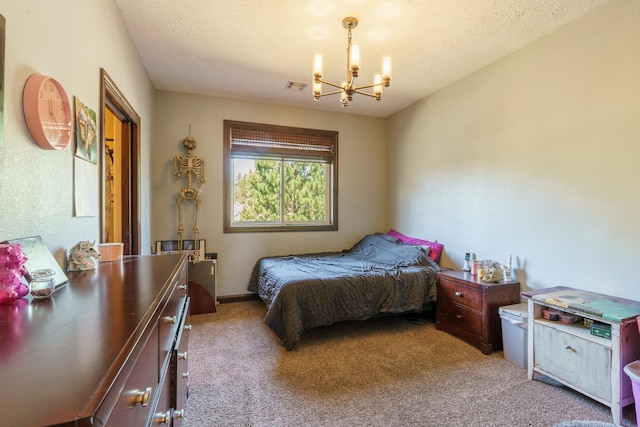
(295, 134)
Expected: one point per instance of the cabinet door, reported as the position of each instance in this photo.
(584, 364)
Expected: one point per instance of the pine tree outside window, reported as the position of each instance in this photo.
(279, 178)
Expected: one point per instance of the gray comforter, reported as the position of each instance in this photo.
(377, 275)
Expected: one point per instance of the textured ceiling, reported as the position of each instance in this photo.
(250, 49)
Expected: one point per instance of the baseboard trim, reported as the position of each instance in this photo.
(238, 298)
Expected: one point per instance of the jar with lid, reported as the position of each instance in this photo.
(42, 283)
(475, 266)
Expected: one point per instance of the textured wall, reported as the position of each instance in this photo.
(536, 155)
(70, 41)
(361, 170)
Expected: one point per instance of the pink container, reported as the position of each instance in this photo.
(633, 371)
(110, 251)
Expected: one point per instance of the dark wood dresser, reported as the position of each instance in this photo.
(109, 348)
(468, 308)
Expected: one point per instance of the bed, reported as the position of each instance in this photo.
(378, 275)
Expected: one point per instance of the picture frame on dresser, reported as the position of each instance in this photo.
(39, 257)
(172, 247)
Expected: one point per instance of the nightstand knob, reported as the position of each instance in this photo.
(458, 294)
(458, 316)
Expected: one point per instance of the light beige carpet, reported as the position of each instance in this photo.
(584, 424)
(381, 372)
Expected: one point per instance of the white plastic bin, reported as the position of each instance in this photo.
(514, 333)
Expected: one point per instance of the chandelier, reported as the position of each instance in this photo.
(348, 88)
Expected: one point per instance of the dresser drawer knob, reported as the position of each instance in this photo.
(568, 347)
(163, 418)
(182, 356)
(458, 294)
(458, 316)
(142, 397)
(185, 375)
(178, 414)
(182, 287)
(170, 319)
(187, 327)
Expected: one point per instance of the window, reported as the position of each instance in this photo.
(279, 178)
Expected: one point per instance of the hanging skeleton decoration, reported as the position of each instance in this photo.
(192, 168)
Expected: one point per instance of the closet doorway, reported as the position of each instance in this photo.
(119, 169)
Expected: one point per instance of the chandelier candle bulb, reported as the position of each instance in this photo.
(377, 89)
(317, 90)
(355, 60)
(343, 94)
(386, 69)
(317, 66)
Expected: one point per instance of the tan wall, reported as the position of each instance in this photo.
(70, 41)
(361, 177)
(536, 155)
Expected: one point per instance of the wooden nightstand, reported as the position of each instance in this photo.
(468, 308)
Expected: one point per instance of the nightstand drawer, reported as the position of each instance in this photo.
(459, 294)
(459, 317)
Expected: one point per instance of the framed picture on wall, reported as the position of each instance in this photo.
(86, 133)
(2, 27)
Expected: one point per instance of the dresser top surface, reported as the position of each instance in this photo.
(465, 276)
(57, 355)
(593, 303)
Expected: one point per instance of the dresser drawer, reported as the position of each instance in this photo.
(569, 357)
(164, 408)
(136, 388)
(168, 327)
(460, 318)
(460, 294)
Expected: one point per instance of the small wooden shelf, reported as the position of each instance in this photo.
(570, 354)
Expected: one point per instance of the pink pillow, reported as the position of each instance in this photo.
(434, 252)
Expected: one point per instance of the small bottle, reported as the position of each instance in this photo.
(474, 267)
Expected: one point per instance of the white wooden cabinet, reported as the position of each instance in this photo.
(570, 354)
